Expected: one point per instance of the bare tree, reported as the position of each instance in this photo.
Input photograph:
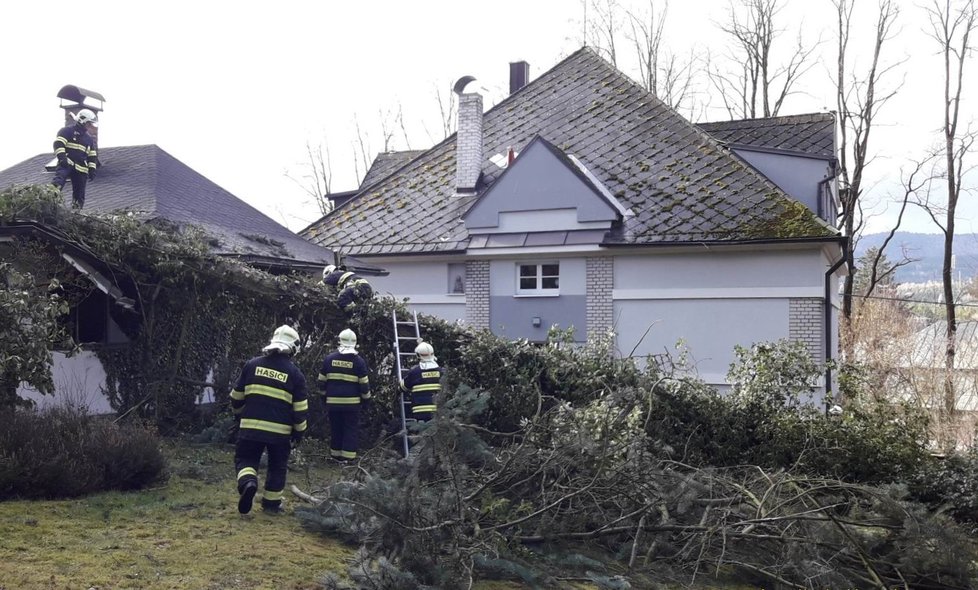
(756, 85)
(951, 24)
(858, 101)
(661, 72)
(602, 20)
(317, 179)
(447, 113)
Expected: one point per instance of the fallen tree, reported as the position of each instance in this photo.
(585, 494)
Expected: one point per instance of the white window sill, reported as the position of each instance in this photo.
(556, 294)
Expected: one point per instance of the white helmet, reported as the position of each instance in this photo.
(85, 116)
(328, 270)
(425, 351)
(284, 339)
(348, 340)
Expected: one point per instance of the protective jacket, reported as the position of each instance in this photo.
(74, 143)
(421, 386)
(270, 398)
(354, 291)
(344, 379)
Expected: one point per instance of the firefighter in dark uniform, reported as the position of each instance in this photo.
(422, 384)
(270, 401)
(77, 156)
(344, 380)
(353, 289)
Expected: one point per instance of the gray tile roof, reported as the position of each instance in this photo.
(386, 163)
(154, 185)
(682, 185)
(812, 134)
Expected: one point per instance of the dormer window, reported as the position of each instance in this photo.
(539, 279)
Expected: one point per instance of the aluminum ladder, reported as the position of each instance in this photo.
(404, 331)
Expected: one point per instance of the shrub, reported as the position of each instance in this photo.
(63, 453)
(951, 482)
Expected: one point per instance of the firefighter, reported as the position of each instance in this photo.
(77, 156)
(344, 380)
(270, 401)
(353, 289)
(422, 384)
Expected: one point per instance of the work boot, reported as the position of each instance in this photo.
(247, 496)
(272, 509)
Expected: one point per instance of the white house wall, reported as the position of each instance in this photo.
(425, 284)
(513, 316)
(79, 380)
(710, 300)
(714, 301)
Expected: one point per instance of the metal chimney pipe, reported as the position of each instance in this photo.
(519, 75)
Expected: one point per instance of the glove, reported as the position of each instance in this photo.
(365, 403)
(296, 438)
(62, 160)
(91, 173)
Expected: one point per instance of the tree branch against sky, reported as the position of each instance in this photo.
(858, 98)
(752, 83)
(950, 25)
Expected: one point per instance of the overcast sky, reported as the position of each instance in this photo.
(237, 90)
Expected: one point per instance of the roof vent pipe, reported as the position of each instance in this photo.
(468, 140)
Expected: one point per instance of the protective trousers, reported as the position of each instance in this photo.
(344, 432)
(78, 182)
(247, 456)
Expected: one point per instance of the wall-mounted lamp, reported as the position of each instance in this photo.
(536, 321)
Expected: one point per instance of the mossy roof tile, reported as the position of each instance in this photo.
(680, 183)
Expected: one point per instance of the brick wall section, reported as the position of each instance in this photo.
(477, 293)
(468, 142)
(600, 307)
(806, 323)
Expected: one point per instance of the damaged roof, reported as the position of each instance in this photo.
(154, 185)
(681, 183)
(812, 134)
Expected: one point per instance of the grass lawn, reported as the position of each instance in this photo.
(185, 534)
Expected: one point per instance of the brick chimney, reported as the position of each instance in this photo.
(468, 139)
(519, 75)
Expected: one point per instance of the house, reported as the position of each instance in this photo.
(153, 186)
(582, 201)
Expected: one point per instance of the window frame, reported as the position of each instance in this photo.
(539, 277)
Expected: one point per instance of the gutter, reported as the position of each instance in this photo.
(714, 243)
(828, 316)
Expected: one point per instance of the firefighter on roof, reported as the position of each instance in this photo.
(270, 401)
(77, 156)
(353, 289)
(422, 384)
(347, 386)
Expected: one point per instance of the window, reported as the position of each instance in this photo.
(538, 279)
(456, 278)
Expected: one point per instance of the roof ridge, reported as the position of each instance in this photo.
(777, 119)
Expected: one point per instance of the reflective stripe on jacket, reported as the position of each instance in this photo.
(422, 385)
(78, 146)
(344, 379)
(270, 397)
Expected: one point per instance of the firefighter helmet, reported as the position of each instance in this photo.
(348, 340)
(328, 270)
(284, 339)
(425, 351)
(85, 116)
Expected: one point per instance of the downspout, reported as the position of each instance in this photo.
(828, 316)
